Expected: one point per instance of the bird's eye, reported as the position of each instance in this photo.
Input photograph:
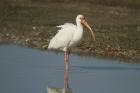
(82, 18)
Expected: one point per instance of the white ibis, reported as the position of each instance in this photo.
(68, 37)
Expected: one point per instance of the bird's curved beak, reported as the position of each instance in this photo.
(86, 24)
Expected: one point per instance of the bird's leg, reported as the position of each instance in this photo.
(67, 53)
(66, 85)
(66, 61)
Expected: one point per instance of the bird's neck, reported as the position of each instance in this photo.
(79, 32)
(79, 26)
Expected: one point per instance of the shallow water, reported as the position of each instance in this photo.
(24, 70)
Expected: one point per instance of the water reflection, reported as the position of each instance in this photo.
(66, 89)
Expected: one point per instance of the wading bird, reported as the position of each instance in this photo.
(69, 36)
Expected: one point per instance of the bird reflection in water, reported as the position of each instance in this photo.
(66, 88)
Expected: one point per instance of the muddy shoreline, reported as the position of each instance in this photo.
(35, 40)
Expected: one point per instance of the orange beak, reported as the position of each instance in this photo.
(86, 24)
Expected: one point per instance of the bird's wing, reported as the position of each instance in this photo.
(67, 25)
(64, 36)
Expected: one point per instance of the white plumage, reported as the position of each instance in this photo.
(66, 37)
(69, 36)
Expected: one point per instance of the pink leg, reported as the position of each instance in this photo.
(67, 53)
(66, 85)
